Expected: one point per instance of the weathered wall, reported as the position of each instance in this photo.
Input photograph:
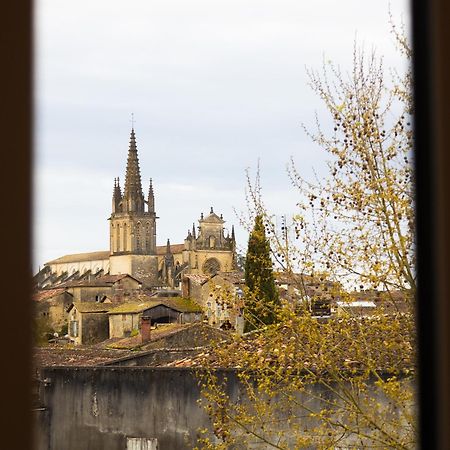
(121, 325)
(156, 357)
(93, 408)
(142, 267)
(55, 309)
(196, 335)
(95, 327)
(97, 408)
(89, 293)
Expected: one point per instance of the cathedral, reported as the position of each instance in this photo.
(206, 249)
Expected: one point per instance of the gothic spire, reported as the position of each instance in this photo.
(151, 198)
(233, 238)
(133, 196)
(168, 247)
(117, 196)
(193, 230)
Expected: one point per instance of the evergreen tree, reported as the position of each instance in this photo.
(262, 296)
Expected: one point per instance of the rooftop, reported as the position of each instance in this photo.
(91, 307)
(78, 257)
(174, 248)
(45, 295)
(177, 303)
(106, 280)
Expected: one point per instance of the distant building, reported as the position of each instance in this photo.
(88, 322)
(51, 306)
(133, 249)
(126, 318)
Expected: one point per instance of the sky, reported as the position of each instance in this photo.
(214, 85)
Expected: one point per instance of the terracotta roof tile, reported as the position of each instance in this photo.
(45, 295)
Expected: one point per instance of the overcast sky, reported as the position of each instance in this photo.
(213, 85)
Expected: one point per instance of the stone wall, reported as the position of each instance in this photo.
(98, 408)
(93, 408)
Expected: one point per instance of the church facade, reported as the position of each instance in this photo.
(206, 249)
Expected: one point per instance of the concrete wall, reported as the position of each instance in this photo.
(98, 408)
(94, 408)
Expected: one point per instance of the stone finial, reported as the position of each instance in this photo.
(212, 210)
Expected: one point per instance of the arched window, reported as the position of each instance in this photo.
(125, 237)
(118, 238)
(212, 241)
(211, 266)
(147, 237)
(138, 236)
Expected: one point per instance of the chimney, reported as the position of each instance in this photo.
(145, 328)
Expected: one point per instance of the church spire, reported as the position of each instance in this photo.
(117, 196)
(193, 230)
(168, 252)
(151, 198)
(133, 196)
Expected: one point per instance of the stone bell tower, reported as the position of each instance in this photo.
(133, 224)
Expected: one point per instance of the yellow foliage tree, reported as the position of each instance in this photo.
(341, 382)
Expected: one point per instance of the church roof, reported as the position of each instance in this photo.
(104, 255)
(106, 280)
(78, 257)
(174, 248)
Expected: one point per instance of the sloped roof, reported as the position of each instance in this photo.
(91, 307)
(105, 280)
(200, 279)
(134, 307)
(232, 277)
(78, 257)
(174, 248)
(49, 293)
(177, 303)
(182, 304)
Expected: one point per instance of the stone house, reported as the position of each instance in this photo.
(51, 305)
(117, 287)
(88, 322)
(125, 319)
(221, 297)
(191, 286)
